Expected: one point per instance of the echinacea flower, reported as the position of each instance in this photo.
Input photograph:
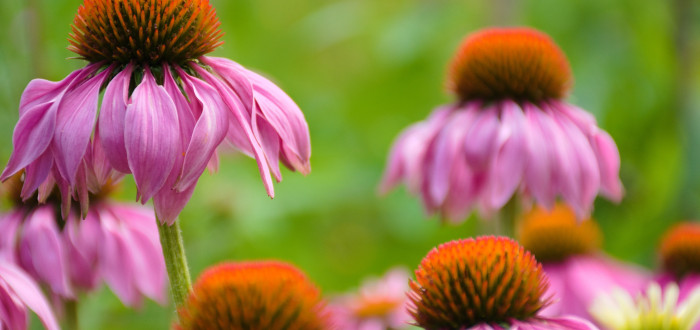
(571, 256)
(379, 304)
(680, 257)
(17, 293)
(656, 310)
(165, 106)
(114, 243)
(509, 132)
(268, 295)
(483, 283)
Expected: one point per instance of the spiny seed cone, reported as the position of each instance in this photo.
(509, 63)
(144, 31)
(680, 249)
(466, 282)
(557, 234)
(253, 295)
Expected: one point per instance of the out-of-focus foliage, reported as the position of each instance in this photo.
(362, 70)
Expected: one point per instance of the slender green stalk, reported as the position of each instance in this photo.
(71, 314)
(175, 262)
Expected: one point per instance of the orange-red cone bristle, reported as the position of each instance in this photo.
(509, 63)
(253, 295)
(680, 249)
(471, 281)
(553, 235)
(144, 31)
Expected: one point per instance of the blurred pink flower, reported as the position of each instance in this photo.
(379, 304)
(17, 293)
(116, 243)
(509, 133)
(578, 270)
(165, 110)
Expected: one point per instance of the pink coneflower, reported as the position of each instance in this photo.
(509, 132)
(571, 256)
(379, 304)
(680, 258)
(165, 107)
(483, 283)
(114, 243)
(17, 293)
(268, 295)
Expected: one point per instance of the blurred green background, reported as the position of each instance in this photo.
(362, 70)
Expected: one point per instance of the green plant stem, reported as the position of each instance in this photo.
(175, 262)
(505, 222)
(71, 314)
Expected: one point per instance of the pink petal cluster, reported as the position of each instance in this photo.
(575, 282)
(17, 293)
(379, 304)
(477, 156)
(164, 133)
(115, 243)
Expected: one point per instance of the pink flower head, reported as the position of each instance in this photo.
(114, 243)
(483, 283)
(570, 254)
(680, 258)
(17, 293)
(165, 109)
(510, 132)
(379, 304)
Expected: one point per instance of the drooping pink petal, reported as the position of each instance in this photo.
(29, 293)
(270, 142)
(31, 137)
(538, 171)
(37, 121)
(609, 164)
(509, 161)
(406, 158)
(153, 137)
(35, 173)
(280, 111)
(565, 168)
(111, 120)
(75, 119)
(9, 228)
(481, 141)
(116, 260)
(168, 202)
(83, 240)
(208, 133)
(448, 145)
(13, 313)
(41, 251)
(238, 116)
(149, 268)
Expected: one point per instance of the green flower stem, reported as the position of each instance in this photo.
(70, 310)
(175, 262)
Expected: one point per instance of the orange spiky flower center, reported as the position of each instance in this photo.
(509, 63)
(144, 31)
(485, 280)
(680, 249)
(554, 235)
(253, 295)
